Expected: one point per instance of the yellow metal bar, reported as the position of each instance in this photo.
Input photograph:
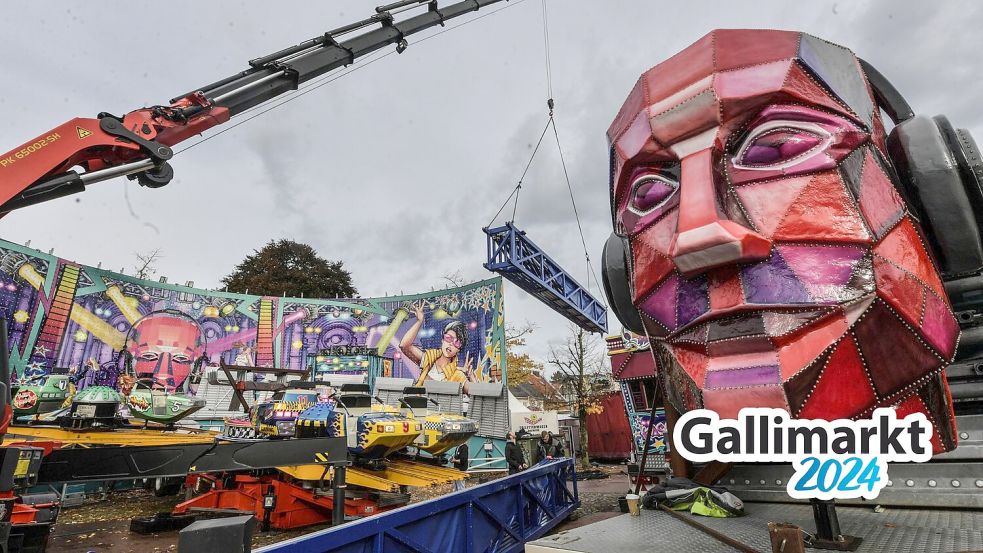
(353, 476)
(124, 437)
(409, 473)
(441, 473)
(404, 478)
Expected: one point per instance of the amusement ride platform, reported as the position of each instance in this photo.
(882, 530)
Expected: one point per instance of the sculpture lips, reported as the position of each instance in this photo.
(746, 322)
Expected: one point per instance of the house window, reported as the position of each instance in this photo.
(642, 393)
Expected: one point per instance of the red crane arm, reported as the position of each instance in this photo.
(139, 144)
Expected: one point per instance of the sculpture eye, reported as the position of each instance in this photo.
(779, 145)
(650, 192)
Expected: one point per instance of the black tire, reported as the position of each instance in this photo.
(164, 487)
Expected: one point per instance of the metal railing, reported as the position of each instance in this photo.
(513, 255)
(497, 517)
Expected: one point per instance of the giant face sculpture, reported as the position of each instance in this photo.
(770, 252)
(164, 348)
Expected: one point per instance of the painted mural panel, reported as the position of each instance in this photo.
(634, 367)
(63, 316)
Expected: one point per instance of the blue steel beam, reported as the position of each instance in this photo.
(522, 262)
(497, 517)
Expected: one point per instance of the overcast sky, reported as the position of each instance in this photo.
(395, 168)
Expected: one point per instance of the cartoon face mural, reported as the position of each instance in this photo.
(164, 346)
(769, 250)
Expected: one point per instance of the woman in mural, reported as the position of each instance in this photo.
(246, 355)
(439, 363)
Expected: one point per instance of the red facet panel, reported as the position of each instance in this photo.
(728, 402)
(803, 87)
(803, 347)
(900, 289)
(766, 203)
(940, 326)
(823, 211)
(742, 47)
(651, 265)
(879, 201)
(895, 357)
(843, 390)
(749, 83)
(725, 289)
(681, 70)
(637, 137)
(903, 247)
(914, 404)
(693, 362)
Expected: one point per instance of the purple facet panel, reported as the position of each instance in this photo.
(750, 376)
(838, 69)
(779, 145)
(661, 305)
(693, 299)
(650, 193)
(772, 282)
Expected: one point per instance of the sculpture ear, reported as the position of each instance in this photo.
(614, 275)
(940, 169)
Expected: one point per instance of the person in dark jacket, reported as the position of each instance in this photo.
(548, 447)
(461, 458)
(513, 455)
(461, 462)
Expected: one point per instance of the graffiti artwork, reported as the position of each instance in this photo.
(65, 316)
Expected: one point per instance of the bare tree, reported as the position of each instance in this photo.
(583, 379)
(519, 332)
(146, 265)
(455, 279)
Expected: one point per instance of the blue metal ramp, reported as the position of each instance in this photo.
(522, 262)
(497, 517)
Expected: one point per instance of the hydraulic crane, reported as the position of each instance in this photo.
(139, 144)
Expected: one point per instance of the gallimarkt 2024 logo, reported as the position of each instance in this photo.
(840, 459)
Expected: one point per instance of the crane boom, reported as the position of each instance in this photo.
(138, 145)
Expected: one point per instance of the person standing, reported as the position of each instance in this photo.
(513, 455)
(461, 461)
(548, 448)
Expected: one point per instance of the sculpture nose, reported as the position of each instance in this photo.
(705, 237)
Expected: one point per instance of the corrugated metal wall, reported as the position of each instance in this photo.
(490, 406)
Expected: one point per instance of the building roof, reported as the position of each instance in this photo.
(535, 387)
